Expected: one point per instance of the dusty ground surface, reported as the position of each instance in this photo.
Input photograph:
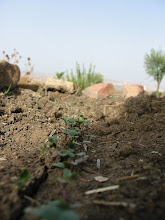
(130, 143)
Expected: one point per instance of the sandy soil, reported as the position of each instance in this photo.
(129, 142)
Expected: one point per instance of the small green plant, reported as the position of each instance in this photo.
(53, 140)
(53, 210)
(67, 176)
(64, 164)
(24, 176)
(72, 132)
(81, 121)
(59, 75)
(8, 92)
(64, 153)
(158, 94)
(69, 122)
(111, 96)
(84, 79)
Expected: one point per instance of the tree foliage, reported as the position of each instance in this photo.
(155, 65)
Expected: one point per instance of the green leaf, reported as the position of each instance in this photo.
(59, 164)
(8, 90)
(71, 144)
(80, 119)
(53, 139)
(74, 163)
(71, 150)
(24, 175)
(64, 153)
(63, 180)
(71, 120)
(60, 204)
(71, 132)
(67, 173)
(54, 210)
(70, 154)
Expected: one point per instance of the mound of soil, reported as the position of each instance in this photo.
(129, 142)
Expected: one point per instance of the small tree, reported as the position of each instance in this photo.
(155, 65)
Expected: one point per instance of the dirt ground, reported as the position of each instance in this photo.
(129, 142)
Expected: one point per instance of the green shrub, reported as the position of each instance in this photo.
(158, 94)
(83, 79)
(59, 75)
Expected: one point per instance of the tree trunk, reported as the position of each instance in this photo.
(158, 85)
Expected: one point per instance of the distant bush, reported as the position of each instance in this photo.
(158, 94)
(59, 75)
(84, 78)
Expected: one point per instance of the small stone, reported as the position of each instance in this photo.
(2, 159)
(101, 179)
(125, 151)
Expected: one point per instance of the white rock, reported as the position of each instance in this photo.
(30, 83)
(101, 179)
(60, 85)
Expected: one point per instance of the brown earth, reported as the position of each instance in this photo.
(130, 143)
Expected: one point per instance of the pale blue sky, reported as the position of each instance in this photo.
(112, 35)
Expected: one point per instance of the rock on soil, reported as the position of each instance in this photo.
(9, 74)
(132, 90)
(60, 85)
(30, 83)
(100, 90)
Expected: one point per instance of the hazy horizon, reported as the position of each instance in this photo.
(112, 35)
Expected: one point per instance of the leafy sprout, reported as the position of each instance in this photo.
(81, 154)
(64, 164)
(71, 132)
(24, 175)
(71, 144)
(65, 153)
(8, 90)
(59, 75)
(69, 120)
(53, 210)
(67, 176)
(82, 121)
(53, 140)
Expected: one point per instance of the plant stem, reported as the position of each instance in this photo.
(63, 194)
